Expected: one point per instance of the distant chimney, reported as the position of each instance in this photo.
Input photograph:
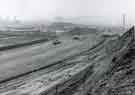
(124, 21)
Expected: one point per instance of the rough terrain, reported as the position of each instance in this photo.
(99, 65)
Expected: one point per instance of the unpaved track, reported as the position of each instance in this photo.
(93, 51)
(21, 61)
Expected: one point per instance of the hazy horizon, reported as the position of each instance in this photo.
(89, 11)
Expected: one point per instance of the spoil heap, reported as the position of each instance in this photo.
(120, 78)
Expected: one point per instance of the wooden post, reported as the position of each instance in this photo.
(57, 90)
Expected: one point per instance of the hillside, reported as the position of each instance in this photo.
(120, 77)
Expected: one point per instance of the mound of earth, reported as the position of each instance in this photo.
(120, 78)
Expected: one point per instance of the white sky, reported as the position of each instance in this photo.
(39, 9)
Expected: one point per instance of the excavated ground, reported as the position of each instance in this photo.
(120, 77)
(105, 69)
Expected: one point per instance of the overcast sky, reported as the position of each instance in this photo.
(40, 9)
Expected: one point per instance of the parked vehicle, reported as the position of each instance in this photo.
(56, 42)
(76, 38)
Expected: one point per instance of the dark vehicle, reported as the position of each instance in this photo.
(79, 38)
(76, 38)
(56, 42)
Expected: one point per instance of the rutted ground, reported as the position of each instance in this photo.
(105, 69)
(67, 50)
(78, 72)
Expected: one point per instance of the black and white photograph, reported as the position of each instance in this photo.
(67, 47)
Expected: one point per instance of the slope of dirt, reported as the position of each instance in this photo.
(120, 77)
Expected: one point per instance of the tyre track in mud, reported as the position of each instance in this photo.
(49, 68)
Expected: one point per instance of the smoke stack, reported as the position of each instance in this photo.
(124, 21)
